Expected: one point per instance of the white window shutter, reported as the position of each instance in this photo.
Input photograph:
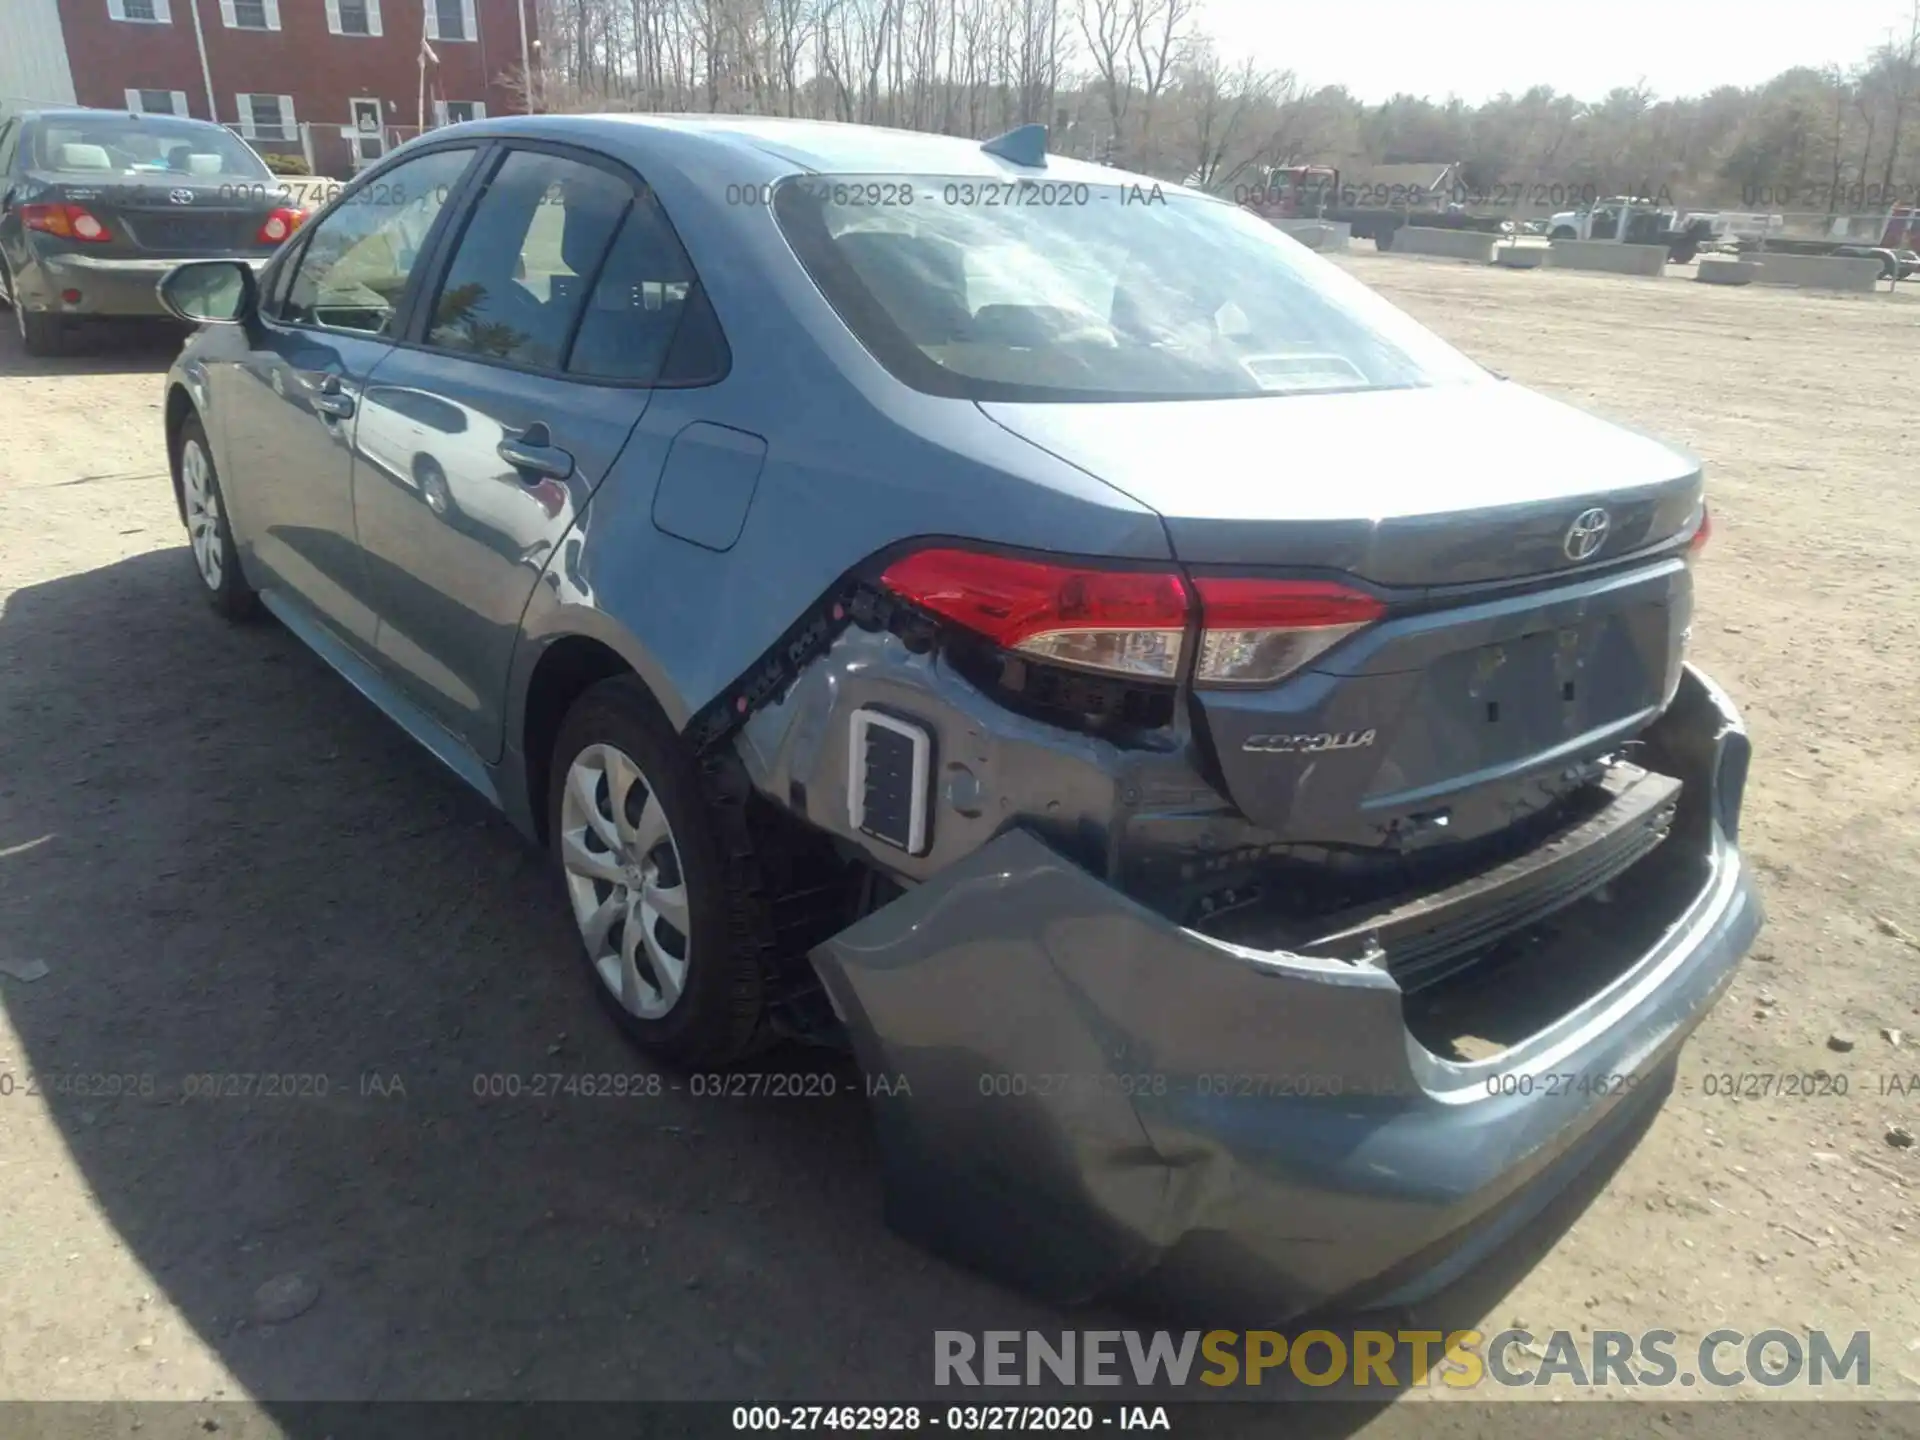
(479, 109)
(466, 13)
(116, 9)
(273, 14)
(133, 102)
(439, 112)
(373, 17)
(243, 108)
(433, 20)
(180, 104)
(288, 123)
(333, 17)
(162, 12)
(226, 14)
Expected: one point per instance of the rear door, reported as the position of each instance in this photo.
(289, 415)
(479, 441)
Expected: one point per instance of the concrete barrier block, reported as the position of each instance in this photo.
(1722, 270)
(1609, 256)
(1321, 235)
(1857, 275)
(1453, 244)
(1520, 257)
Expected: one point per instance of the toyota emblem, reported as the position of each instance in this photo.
(180, 197)
(1587, 534)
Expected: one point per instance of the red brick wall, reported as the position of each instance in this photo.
(320, 70)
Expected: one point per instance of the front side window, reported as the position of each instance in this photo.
(144, 145)
(358, 258)
(517, 280)
(992, 290)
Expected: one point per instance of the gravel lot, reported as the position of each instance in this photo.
(229, 863)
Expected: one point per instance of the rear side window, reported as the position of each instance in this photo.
(518, 279)
(648, 319)
(360, 255)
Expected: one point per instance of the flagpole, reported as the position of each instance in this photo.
(420, 115)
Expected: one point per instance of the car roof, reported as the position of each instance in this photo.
(96, 112)
(738, 146)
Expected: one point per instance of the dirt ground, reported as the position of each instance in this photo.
(228, 862)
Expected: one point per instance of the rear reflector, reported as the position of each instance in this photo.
(69, 222)
(1134, 623)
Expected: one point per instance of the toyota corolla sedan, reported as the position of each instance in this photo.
(1010, 619)
(96, 206)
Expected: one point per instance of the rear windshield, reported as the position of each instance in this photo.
(138, 145)
(1055, 291)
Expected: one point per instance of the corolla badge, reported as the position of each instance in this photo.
(1587, 534)
(181, 196)
(1308, 744)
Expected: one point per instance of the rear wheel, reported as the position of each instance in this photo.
(672, 925)
(40, 334)
(208, 530)
(1562, 233)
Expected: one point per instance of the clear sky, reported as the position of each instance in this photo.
(1477, 48)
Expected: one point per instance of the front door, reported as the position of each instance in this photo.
(478, 447)
(291, 411)
(368, 132)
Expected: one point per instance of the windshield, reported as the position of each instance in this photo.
(1058, 291)
(136, 145)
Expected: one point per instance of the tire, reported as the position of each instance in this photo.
(1383, 239)
(209, 534)
(40, 334)
(1563, 233)
(713, 1011)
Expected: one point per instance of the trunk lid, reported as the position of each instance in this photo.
(165, 216)
(1516, 650)
(1439, 486)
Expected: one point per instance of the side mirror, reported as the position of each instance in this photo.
(210, 292)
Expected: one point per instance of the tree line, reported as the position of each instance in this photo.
(1140, 83)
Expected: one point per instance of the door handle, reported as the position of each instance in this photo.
(533, 452)
(327, 396)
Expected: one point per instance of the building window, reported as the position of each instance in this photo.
(157, 102)
(266, 117)
(450, 20)
(145, 12)
(250, 14)
(453, 112)
(353, 17)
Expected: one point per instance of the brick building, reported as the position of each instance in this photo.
(339, 81)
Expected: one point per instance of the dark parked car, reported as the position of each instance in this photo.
(976, 609)
(97, 205)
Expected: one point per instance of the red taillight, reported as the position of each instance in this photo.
(69, 222)
(1127, 622)
(1704, 533)
(1130, 622)
(1258, 631)
(279, 225)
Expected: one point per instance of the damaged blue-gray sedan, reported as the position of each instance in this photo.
(1223, 762)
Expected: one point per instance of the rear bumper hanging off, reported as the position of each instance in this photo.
(1071, 1091)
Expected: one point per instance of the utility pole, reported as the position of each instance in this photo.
(526, 68)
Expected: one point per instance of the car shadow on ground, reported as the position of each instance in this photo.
(304, 995)
(97, 347)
